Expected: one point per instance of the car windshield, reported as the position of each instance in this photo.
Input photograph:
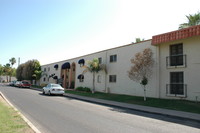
(55, 85)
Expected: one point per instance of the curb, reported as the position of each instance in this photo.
(153, 110)
(23, 117)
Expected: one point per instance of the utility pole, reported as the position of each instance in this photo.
(18, 61)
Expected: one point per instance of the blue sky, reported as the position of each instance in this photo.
(55, 30)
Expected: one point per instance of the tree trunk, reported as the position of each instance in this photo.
(93, 84)
(144, 93)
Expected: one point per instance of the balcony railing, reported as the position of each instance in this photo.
(175, 61)
(176, 89)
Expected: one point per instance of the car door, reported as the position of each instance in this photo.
(46, 88)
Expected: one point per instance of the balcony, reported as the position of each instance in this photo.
(176, 90)
(175, 61)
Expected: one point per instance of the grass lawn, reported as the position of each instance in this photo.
(36, 86)
(181, 105)
(10, 120)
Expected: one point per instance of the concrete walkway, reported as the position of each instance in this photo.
(167, 112)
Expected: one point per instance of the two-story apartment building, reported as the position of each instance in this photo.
(179, 63)
(175, 71)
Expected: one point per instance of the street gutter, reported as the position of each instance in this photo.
(153, 110)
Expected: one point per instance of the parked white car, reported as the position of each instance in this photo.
(18, 84)
(53, 89)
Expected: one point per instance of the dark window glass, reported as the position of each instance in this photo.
(176, 83)
(176, 55)
(100, 60)
(112, 78)
(113, 58)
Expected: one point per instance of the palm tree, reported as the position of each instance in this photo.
(192, 20)
(1, 70)
(94, 67)
(12, 61)
(6, 70)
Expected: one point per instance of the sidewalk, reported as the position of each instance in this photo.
(167, 112)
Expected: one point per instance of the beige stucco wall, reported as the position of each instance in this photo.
(191, 48)
(159, 79)
(123, 85)
(4, 78)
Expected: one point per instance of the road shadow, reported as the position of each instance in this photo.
(167, 118)
(53, 96)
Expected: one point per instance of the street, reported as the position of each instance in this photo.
(58, 114)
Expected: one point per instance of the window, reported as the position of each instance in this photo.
(176, 55)
(44, 79)
(81, 78)
(176, 83)
(112, 78)
(99, 79)
(113, 58)
(100, 60)
(48, 68)
(44, 69)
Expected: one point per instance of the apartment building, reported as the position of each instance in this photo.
(179, 63)
(175, 71)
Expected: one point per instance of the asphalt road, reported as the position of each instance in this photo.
(57, 114)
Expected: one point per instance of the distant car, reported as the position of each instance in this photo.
(12, 83)
(17, 84)
(25, 84)
(53, 89)
(22, 84)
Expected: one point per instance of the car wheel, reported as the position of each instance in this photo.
(43, 92)
(49, 93)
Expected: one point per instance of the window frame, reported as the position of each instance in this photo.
(113, 58)
(100, 60)
(99, 78)
(177, 86)
(176, 55)
(112, 78)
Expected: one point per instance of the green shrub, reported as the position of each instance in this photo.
(85, 89)
(43, 85)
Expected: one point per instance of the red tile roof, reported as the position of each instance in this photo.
(176, 35)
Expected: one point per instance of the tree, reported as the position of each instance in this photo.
(6, 70)
(12, 61)
(1, 70)
(94, 67)
(19, 72)
(192, 20)
(31, 70)
(142, 69)
(12, 71)
(37, 71)
(138, 40)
